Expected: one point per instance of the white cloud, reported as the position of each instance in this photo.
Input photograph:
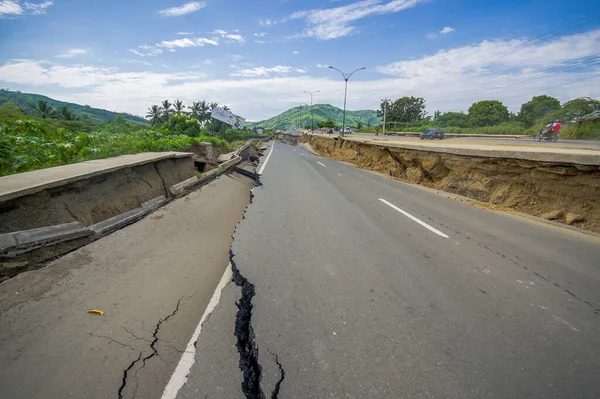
(260, 34)
(13, 8)
(139, 62)
(187, 8)
(322, 66)
(236, 38)
(8, 7)
(184, 33)
(38, 8)
(331, 23)
(228, 37)
(187, 42)
(294, 52)
(74, 52)
(432, 35)
(263, 71)
(261, 42)
(446, 30)
(266, 22)
(146, 51)
(449, 80)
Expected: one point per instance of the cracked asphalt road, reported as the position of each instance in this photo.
(153, 279)
(346, 284)
(437, 298)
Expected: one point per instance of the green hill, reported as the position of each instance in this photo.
(25, 100)
(301, 115)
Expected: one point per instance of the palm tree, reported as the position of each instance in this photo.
(155, 114)
(166, 110)
(204, 115)
(179, 107)
(66, 114)
(195, 110)
(226, 108)
(213, 106)
(43, 109)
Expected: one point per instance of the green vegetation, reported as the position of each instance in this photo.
(30, 103)
(493, 117)
(41, 140)
(300, 116)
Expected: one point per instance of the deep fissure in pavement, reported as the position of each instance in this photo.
(246, 345)
(150, 356)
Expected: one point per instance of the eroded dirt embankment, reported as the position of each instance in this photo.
(551, 190)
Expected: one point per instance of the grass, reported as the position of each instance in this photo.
(28, 144)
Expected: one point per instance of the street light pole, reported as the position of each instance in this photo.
(312, 124)
(384, 112)
(346, 78)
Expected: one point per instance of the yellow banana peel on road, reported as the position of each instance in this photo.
(100, 312)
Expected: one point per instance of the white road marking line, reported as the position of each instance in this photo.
(188, 358)
(339, 174)
(266, 160)
(408, 215)
(322, 164)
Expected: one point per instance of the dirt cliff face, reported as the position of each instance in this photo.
(531, 187)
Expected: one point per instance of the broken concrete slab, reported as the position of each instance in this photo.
(7, 241)
(51, 234)
(182, 186)
(154, 203)
(225, 157)
(117, 222)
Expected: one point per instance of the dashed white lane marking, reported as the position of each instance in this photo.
(322, 164)
(339, 174)
(188, 358)
(266, 160)
(408, 215)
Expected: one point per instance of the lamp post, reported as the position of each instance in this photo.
(312, 124)
(346, 77)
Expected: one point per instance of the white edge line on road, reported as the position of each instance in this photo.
(188, 358)
(322, 164)
(408, 215)
(266, 160)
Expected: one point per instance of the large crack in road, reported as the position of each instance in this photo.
(246, 340)
(126, 376)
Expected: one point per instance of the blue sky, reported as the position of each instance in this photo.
(259, 56)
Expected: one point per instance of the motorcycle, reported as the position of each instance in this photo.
(546, 135)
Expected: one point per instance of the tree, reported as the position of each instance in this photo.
(326, 123)
(11, 110)
(453, 119)
(579, 107)
(436, 116)
(179, 107)
(359, 125)
(487, 113)
(404, 109)
(537, 108)
(66, 114)
(166, 110)
(154, 114)
(43, 109)
(195, 110)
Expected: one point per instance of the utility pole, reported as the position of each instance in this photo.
(346, 77)
(384, 111)
(312, 124)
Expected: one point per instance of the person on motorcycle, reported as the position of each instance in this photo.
(556, 127)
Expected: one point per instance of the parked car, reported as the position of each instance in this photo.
(347, 130)
(329, 130)
(432, 134)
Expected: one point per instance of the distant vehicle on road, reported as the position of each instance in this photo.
(330, 130)
(346, 130)
(432, 134)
